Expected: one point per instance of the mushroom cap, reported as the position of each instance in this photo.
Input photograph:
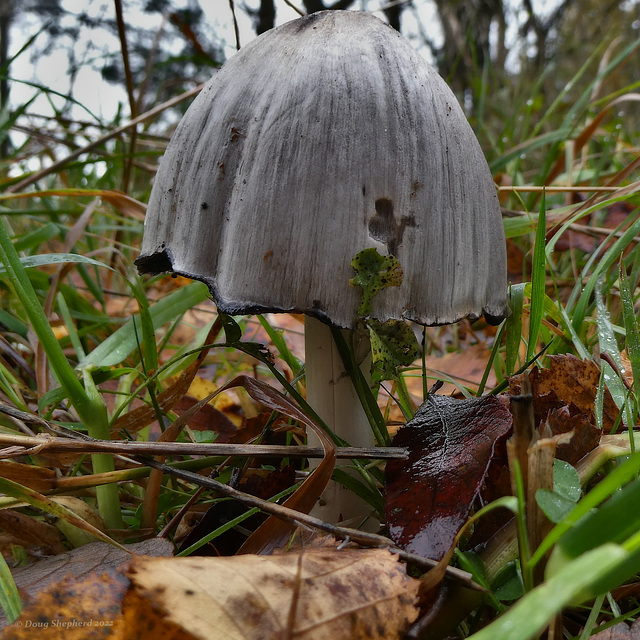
(323, 137)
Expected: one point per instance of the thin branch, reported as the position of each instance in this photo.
(152, 113)
(290, 4)
(302, 519)
(122, 33)
(129, 448)
(391, 5)
(236, 29)
(572, 189)
(426, 39)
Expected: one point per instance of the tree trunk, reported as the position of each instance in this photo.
(466, 26)
(6, 13)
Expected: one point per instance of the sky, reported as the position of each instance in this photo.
(100, 97)
(89, 88)
(103, 100)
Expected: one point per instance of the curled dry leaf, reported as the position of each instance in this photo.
(313, 594)
(77, 566)
(36, 478)
(582, 435)
(140, 417)
(620, 631)
(37, 538)
(451, 444)
(274, 532)
(73, 609)
(309, 595)
(568, 380)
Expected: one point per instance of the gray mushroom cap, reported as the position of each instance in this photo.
(321, 138)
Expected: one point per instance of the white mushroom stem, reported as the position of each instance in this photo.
(331, 393)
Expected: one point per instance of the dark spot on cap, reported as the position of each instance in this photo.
(384, 227)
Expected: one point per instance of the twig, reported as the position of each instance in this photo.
(236, 30)
(126, 447)
(300, 12)
(567, 189)
(28, 418)
(302, 519)
(390, 5)
(122, 33)
(98, 141)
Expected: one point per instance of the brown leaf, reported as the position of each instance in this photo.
(451, 444)
(36, 478)
(39, 539)
(96, 557)
(568, 380)
(274, 532)
(140, 417)
(210, 418)
(346, 594)
(620, 631)
(309, 594)
(583, 436)
(72, 610)
(517, 262)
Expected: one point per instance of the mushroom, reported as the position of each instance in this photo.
(320, 138)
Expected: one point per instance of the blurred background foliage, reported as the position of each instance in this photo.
(492, 52)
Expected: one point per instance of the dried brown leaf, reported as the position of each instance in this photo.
(140, 417)
(309, 595)
(583, 436)
(39, 539)
(275, 532)
(36, 478)
(620, 631)
(568, 380)
(73, 610)
(97, 557)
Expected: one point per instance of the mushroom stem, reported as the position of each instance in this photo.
(332, 394)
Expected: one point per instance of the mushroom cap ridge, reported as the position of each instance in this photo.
(320, 138)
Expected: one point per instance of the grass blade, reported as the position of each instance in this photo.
(122, 342)
(9, 596)
(537, 281)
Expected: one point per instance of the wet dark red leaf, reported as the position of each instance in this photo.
(451, 444)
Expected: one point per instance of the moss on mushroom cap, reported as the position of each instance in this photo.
(321, 138)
